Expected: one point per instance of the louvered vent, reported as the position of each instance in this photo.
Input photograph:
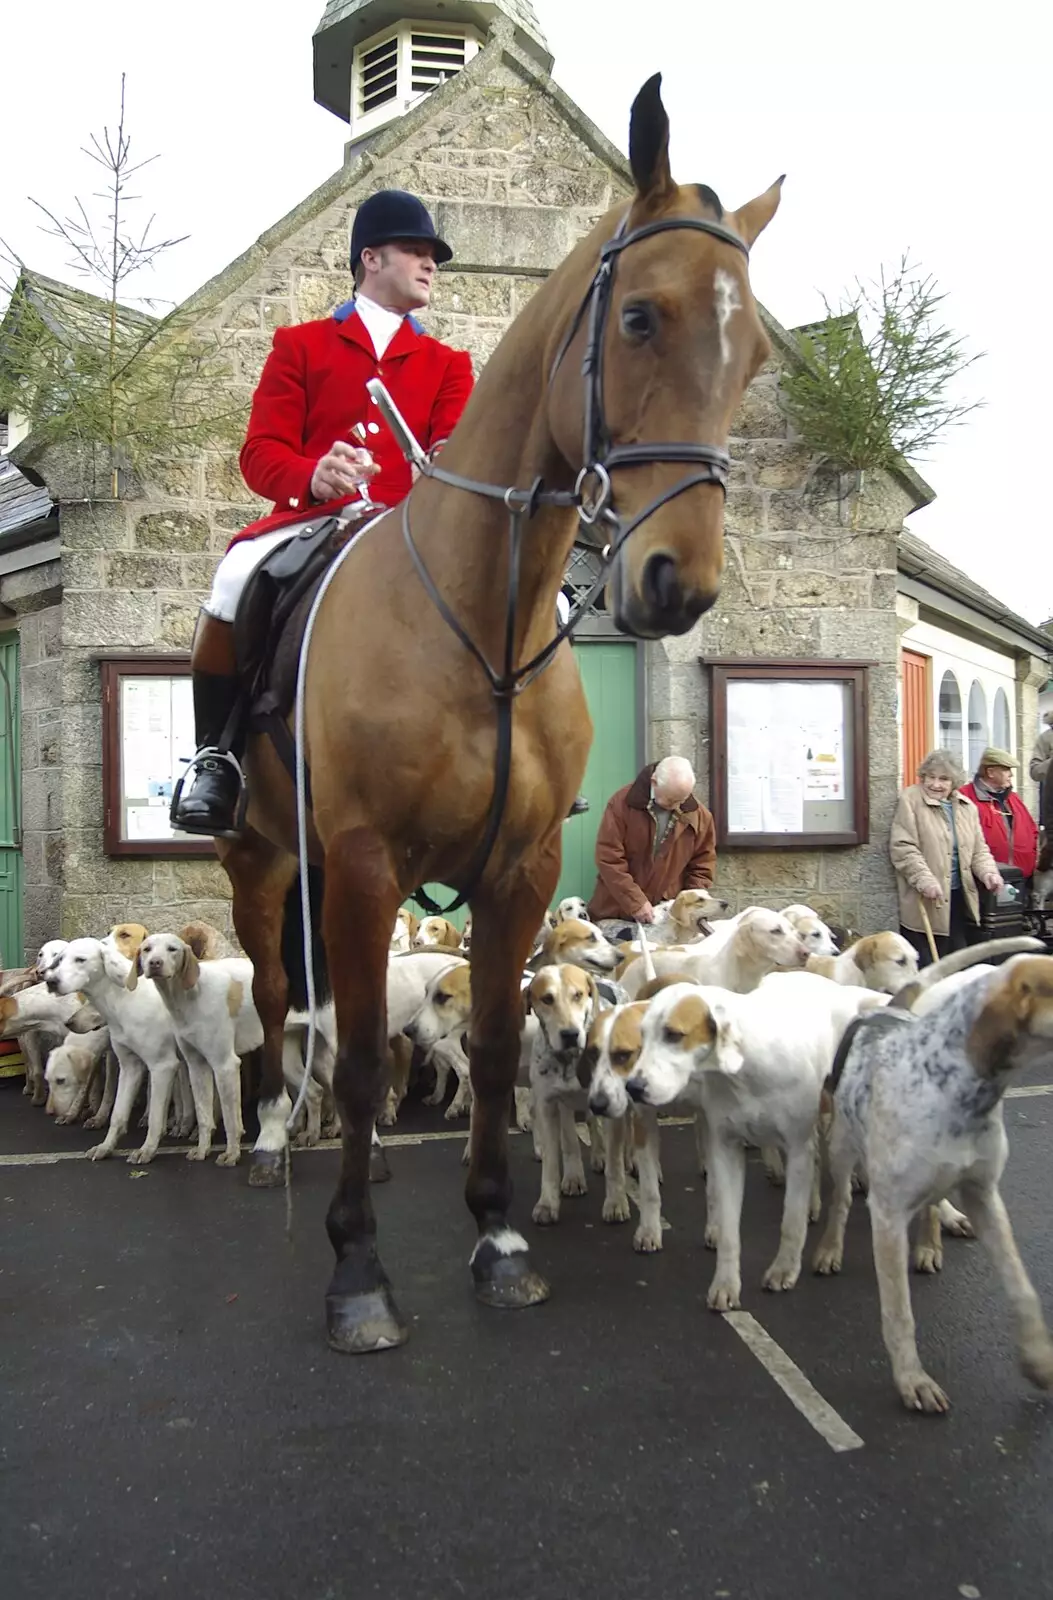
(434, 57)
(379, 75)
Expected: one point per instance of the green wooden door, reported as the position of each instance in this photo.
(608, 675)
(12, 951)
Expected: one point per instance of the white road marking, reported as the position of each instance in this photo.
(1029, 1089)
(792, 1381)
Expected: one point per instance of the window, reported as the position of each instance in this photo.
(378, 76)
(394, 68)
(1000, 734)
(979, 738)
(951, 716)
(434, 57)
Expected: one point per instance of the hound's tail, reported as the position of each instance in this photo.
(645, 951)
(294, 955)
(958, 961)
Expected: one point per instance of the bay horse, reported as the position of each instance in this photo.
(654, 309)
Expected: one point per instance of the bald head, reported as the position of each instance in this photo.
(672, 781)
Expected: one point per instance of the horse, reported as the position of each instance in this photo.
(654, 308)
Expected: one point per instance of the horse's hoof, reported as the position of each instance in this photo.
(357, 1324)
(503, 1275)
(379, 1171)
(267, 1169)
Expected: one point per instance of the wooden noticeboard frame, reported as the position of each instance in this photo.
(846, 819)
(115, 671)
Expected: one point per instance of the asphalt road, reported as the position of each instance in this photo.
(170, 1418)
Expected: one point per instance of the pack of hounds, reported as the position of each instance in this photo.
(826, 1051)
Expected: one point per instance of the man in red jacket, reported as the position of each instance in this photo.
(298, 451)
(1009, 829)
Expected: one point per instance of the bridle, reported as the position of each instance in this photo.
(592, 497)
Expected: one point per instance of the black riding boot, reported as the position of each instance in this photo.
(207, 800)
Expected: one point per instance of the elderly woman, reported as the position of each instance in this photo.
(1009, 827)
(939, 853)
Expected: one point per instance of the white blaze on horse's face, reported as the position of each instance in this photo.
(726, 302)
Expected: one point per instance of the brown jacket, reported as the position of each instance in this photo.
(629, 871)
(920, 848)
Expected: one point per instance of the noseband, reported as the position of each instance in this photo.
(593, 499)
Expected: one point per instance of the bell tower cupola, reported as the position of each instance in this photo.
(373, 59)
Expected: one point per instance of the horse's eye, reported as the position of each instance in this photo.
(639, 321)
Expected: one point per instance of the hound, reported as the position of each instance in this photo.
(436, 933)
(437, 1027)
(686, 919)
(207, 943)
(918, 1101)
(580, 944)
(215, 1024)
(38, 1019)
(611, 1054)
(572, 908)
(737, 957)
(563, 999)
(756, 1064)
(883, 961)
(812, 931)
(72, 1070)
(402, 935)
(140, 1031)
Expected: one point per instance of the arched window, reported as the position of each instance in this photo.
(979, 738)
(951, 716)
(1000, 732)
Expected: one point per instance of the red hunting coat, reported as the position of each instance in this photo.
(312, 391)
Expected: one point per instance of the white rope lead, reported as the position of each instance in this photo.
(301, 823)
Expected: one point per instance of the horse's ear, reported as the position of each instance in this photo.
(649, 143)
(750, 220)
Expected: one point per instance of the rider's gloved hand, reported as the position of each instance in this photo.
(341, 471)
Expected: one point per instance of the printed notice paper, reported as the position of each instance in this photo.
(785, 749)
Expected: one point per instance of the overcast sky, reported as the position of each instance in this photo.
(920, 125)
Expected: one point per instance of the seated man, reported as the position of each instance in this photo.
(310, 401)
(655, 839)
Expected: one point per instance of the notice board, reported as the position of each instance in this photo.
(789, 757)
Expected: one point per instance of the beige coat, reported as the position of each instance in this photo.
(920, 848)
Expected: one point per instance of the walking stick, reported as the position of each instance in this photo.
(928, 932)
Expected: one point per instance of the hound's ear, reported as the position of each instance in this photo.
(132, 980)
(594, 997)
(587, 1064)
(649, 143)
(730, 1058)
(191, 968)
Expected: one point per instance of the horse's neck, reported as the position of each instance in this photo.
(504, 439)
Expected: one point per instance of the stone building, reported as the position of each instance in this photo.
(458, 105)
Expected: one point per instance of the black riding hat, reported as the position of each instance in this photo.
(393, 214)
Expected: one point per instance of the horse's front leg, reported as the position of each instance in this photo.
(361, 899)
(261, 876)
(503, 929)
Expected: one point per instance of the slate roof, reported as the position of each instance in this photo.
(21, 502)
(916, 559)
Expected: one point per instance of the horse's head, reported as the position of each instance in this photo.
(680, 342)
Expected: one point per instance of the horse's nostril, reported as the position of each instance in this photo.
(660, 584)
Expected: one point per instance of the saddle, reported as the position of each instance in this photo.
(269, 626)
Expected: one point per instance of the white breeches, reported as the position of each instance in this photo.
(233, 572)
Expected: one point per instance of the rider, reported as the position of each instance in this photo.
(297, 452)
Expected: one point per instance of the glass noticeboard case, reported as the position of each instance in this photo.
(789, 753)
(148, 739)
